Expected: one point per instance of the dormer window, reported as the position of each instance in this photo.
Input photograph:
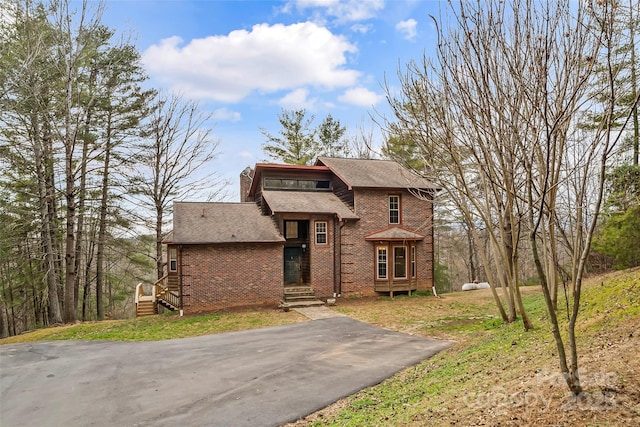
(297, 184)
(394, 209)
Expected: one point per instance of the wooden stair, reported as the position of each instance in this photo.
(145, 308)
(299, 296)
(161, 295)
(167, 304)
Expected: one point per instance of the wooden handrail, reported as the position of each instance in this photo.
(159, 287)
(139, 292)
(171, 298)
(161, 291)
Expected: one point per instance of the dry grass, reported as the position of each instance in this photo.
(498, 374)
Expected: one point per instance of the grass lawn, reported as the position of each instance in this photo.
(498, 374)
(162, 327)
(494, 374)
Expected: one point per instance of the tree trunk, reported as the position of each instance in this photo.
(48, 232)
(81, 214)
(70, 265)
(86, 289)
(102, 224)
(473, 275)
(634, 85)
(69, 309)
(159, 257)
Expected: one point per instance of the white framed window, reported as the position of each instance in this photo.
(399, 262)
(394, 209)
(321, 233)
(381, 262)
(173, 259)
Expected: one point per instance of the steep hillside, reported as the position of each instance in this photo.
(498, 374)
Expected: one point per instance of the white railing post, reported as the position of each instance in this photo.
(138, 292)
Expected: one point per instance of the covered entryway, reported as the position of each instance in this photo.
(297, 266)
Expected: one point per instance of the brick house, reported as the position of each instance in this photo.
(339, 228)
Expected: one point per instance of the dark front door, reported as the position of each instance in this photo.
(292, 266)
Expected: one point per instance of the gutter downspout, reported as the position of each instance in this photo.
(180, 280)
(337, 255)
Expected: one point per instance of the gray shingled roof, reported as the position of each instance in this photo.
(320, 202)
(374, 173)
(208, 222)
(395, 233)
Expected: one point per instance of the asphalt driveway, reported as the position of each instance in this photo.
(262, 377)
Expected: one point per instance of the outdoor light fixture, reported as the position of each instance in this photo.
(304, 247)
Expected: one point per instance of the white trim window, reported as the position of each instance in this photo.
(394, 209)
(399, 262)
(382, 262)
(173, 259)
(321, 233)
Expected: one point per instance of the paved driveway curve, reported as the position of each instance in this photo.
(262, 377)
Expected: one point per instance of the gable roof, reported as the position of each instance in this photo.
(210, 222)
(395, 234)
(319, 202)
(374, 173)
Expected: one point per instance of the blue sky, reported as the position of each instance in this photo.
(244, 61)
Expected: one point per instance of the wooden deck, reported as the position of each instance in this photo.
(391, 287)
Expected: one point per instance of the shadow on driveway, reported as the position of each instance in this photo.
(261, 377)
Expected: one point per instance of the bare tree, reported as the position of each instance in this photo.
(495, 113)
(170, 164)
(77, 42)
(361, 144)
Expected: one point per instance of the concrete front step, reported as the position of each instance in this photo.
(286, 305)
(299, 297)
(297, 288)
(298, 291)
(299, 294)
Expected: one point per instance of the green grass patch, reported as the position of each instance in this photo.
(488, 354)
(163, 327)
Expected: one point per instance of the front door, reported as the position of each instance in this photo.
(292, 266)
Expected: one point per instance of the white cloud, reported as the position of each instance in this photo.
(297, 99)
(344, 11)
(360, 96)
(246, 154)
(268, 58)
(361, 28)
(226, 115)
(407, 28)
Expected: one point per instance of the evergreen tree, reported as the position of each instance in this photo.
(295, 143)
(330, 133)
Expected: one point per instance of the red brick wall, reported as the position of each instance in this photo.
(358, 256)
(322, 261)
(222, 276)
